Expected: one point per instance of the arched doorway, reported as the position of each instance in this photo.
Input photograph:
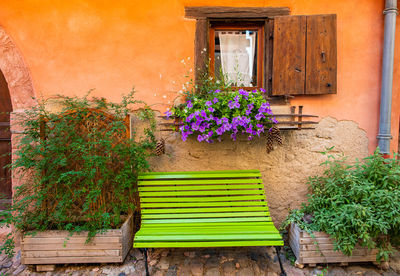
(16, 95)
(5, 143)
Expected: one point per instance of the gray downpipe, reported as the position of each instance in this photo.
(384, 135)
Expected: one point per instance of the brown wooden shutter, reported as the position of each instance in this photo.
(288, 75)
(321, 54)
(304, 55)
(201, 46)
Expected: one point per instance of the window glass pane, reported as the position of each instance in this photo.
(236, 56)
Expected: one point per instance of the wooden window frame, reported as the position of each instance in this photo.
(206, 14)
(240, 25)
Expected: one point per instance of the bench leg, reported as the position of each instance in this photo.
(144, 251)
(278, 249)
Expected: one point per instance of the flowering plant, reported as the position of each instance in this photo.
(216, 113)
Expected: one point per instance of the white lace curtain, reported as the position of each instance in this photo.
(237, 56)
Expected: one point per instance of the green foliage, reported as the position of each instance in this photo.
(78, 166)
(204, 83)
(355, 204)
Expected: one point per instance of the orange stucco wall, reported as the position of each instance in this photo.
(76, 45)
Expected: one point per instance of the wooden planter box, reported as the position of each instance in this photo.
(307, 252)
(56, 247)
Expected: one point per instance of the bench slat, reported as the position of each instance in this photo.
(226, 224)
(208, 237)
(202, 204)
(207, 229)
(205, 215)
(202, 172)
(193, 193)
(177, 182)
(203, 210)
(185, 175)
(197, 187)
(207, 244)
(158, 221)
(196, 199)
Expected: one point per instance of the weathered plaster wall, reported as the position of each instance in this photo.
(73, 46)
(284, 170)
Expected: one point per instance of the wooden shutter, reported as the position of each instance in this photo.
(201, 46)
(321, 54)
(288, 75)
(304, 55)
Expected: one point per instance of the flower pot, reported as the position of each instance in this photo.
(311, 251)
(58, 247)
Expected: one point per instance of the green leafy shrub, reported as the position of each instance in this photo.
(78, 166)
(354, 204)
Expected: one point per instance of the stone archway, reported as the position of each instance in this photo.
(16, 73)
(19, 83)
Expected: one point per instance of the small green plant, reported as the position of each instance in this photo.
(354, 203)
(78, 167)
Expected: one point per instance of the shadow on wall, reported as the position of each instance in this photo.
(285, 170)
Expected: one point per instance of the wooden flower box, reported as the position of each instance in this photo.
(58, 247)
(307, 251)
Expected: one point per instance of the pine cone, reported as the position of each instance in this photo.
(160, 147)
(273, 136)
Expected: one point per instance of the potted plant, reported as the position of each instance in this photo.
(352, 213)
(78, 168)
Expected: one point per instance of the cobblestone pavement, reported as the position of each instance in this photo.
(241, 261)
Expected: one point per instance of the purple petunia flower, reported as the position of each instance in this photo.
(189, 104)
(217, 91)
(208, 103)
(262, 90)
(236, 98)
(215, 100)
(211, 109)
(168, 113)
(231, 105)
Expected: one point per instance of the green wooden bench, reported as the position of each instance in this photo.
(204, 209)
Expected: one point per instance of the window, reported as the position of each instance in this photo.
(236, 51)
(266, 47)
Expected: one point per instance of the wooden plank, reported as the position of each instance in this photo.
(234, 12)
(203, 220)
(316, 240)
(203, 204)
(339, 259)
(206, 175)
(177, 182)
(73, 260)
(201, 193)
(203, 210)
(69, 246)
(205, 215)
(71, 253)
(40, 268)
(333, 253)
(203, 199)
(268, 59)
(321, 55)
(127, 236)
(207, 244)
(201, 187)
(71, 240)
(63, 234)
(289, 55)
(201, 47)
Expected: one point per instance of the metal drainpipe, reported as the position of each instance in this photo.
(384, 135)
